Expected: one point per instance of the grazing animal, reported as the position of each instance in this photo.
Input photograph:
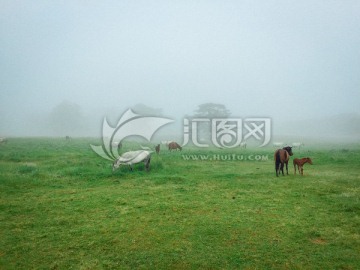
(281, 157)
(166, 143)
(243, 145)
(3, 140)
(68, 138)
(278, 144)
(157, 149)
(300, 163)
(145, 148)
(133, 157)
(174, 146)
(297, 145)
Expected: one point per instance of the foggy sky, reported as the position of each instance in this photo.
(288, 60)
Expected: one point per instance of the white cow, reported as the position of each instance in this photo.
(3, 140)
(243, 145)
(145, 148)
(278, 144)
(297, 145)
(133, 157)
(166, 142)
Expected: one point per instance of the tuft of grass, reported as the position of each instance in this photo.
(23, 169)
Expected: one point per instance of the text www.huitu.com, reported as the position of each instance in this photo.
(225, 157)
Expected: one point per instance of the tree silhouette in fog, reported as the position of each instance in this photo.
(208, 111)
(67, 119)
(212, 110)
(143, 109)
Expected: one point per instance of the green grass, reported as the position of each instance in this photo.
(62, 207)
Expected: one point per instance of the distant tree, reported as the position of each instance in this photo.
(146, 110)
(212, 110)
(208, 111)
(66, 119)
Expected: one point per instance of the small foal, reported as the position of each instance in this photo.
(300, 163)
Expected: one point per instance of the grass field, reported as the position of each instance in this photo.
(62, 207)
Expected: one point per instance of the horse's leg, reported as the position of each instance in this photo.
(302, 170)
(282, 167)
(147, 164)
(294, 168)
(287, 169)
(278, 168)
(277, 162)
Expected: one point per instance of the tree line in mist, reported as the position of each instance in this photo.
(69, 119)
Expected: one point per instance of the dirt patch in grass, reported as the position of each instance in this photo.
(318, 241)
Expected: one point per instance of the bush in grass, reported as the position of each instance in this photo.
(26, 169)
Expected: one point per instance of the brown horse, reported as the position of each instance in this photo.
(157, 149)
(282, 156)
(174, 146)
(300, 163)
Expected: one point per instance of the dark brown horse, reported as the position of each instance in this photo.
(174, 146)
(300, 163)
(157, 149)
(281, 157)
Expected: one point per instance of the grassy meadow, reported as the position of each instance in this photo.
(62, 207)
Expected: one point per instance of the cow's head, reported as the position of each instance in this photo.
(116, 164)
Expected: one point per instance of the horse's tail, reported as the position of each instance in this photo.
(277, 160)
